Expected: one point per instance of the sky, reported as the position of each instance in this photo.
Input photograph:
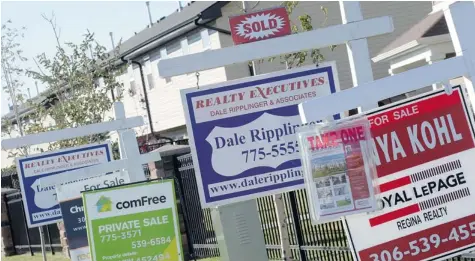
(122, 18)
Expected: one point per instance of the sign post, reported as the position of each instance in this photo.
(70, 201)
(423, 217)
(244, 53)
(133, 222)
(253, 122)
(128, 145)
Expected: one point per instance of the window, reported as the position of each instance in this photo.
(120, 89)
(173, 47)
(206, 41)
(150, 81)
(132, 89)
(193, 38)
(97, 83)
(167, 79)
(211, 31)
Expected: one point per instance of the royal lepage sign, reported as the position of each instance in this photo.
(425, 156)
(260, 25)
(242, 132)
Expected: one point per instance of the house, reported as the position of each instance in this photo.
(187, 31)
(201, 26)
(426, 42)
(23, 110)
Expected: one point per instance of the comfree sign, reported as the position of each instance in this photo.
(425, 152)
(242, 132)
(41, 204)
(134, 223)
(70, 201)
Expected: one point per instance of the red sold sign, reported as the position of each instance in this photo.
(425, 155)
(260, 25)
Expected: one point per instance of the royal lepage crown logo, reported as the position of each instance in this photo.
(260, 25)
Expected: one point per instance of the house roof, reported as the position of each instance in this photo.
(432, 25)
(25, 107)
(165, 26)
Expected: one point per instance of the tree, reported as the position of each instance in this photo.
(12, 69)
(73, 93)
(305, 24)
(298, 58)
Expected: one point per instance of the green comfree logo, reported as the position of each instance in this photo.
(140, 202)
(104, 204)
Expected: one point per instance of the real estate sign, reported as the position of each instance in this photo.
(260, 25)
(244, 131)
(425, 152)
(70, 201)
(41, 204)
(137, 222)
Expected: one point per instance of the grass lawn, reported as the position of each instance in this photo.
(57, 257)
(36, 257)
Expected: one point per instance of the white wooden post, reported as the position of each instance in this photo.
(128, 146)
(432, 59)
(122, 125)
(286, 253)
(282, 225)
(231, 245)
(320, 38)
(127, 143)
(358, 51)
(460, 18)
(71, 133)
(99, 169)
(136, 172)
(380, 89)
(282, 221)
(119, 113)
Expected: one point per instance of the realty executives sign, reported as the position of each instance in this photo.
(244, 131)
(425, 154)
(41, 204)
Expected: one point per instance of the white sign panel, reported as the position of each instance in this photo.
(72, 210)
(242, 133)
(41, 204)
(425, 148)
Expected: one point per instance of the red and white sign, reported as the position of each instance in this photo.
(260, 25)
(425, 155)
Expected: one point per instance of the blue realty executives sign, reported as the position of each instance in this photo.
(41, 204)
(242, 132)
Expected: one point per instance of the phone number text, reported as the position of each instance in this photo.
(276, 150)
